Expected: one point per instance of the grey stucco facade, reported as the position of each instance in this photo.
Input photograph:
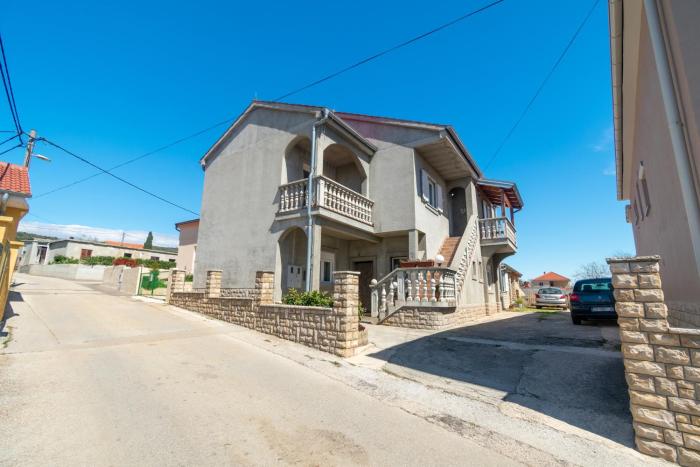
(387, 190)
(656, 70)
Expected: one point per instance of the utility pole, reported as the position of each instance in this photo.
(123, 234)
(30, 148)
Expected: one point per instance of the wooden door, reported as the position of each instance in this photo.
(366, 270)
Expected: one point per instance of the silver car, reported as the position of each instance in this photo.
(550, 296)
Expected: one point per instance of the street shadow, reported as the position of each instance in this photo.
(540, 361)
(12, 297)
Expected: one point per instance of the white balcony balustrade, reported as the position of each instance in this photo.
(328, 194)
(497, 229)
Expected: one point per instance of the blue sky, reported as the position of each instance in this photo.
(113, 81)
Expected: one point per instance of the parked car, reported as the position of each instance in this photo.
(550, 296)
(592, 299)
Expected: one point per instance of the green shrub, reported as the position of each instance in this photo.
(361, 311)
(189, 278)
(313, 298)
(156, 264)
(98, 260)
(60, 259)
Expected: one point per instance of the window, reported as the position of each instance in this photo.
(643, 191)
(155, 258)
(431, 191)
(327, 267)
(171, 260)
(85, 253)
(127, 255)
(481, 271)
(474, 271)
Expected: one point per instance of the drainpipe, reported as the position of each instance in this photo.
(681, 154)
(3, 203)
(309, 202)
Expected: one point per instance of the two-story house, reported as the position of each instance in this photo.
(303, 191)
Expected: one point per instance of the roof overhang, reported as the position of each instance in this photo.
(314, 111)
(180, 224)
(496, 189)
(625, 30)
(445, 131)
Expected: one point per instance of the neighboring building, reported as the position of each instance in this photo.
(551, 279)
(14, 191)
(80, 249)
(34, 251)
(187, 247)
(384, 190)
(655, 57)
(510, 285)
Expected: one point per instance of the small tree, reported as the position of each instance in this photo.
(149, 241)
(593, 270)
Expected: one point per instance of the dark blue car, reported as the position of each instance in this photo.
(592, 299)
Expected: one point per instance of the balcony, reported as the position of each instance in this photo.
(329, 195)
(498, 234)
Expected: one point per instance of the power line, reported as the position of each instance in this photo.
(288, 94)
(542, 85)
(10, 149)
(143, 190)
(390, 49)
(150, 153)
(8, 139)
(9, 92)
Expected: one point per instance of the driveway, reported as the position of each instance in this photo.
(539, 361)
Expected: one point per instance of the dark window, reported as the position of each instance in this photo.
(155, 258)
(171, 260)
(593, 285)
(85, 253)
(127, 255)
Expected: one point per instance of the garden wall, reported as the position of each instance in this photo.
(80, 272)
(662, 364)
(334, 330)
(427, 317)
(123, 279)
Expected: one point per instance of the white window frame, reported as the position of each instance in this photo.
(431, 191)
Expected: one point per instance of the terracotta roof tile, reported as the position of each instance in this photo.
(550, 276)
(14, 179)
(133, 246)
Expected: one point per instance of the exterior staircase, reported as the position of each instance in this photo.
(449, 248)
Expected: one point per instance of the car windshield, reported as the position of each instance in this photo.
(551, 290)
(597, 285)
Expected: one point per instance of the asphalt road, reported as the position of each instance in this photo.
(90, 378)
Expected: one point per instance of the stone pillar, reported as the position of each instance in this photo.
(346, 298)
(265, 287)
(662, 364)
(176, 283)
(213, 287)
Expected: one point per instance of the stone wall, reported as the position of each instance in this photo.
(334, 330)
(662, 364)
(429, 317)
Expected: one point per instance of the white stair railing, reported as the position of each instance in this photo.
(429, 286)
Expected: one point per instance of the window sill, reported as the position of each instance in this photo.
(431, 208)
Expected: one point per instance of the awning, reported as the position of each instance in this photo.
(496, 189)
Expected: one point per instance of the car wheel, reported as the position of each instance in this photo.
(575, 320)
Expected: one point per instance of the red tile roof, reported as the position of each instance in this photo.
(550, 276)
(133, 246)
(14, 179)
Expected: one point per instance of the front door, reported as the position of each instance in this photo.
(366, 270)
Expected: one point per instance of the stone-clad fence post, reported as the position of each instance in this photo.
(213, 284)
(662, 364)
(346, 298)
(176, 283)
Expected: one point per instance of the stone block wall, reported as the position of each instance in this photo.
(662, 364)
(430, 317)
(334, 330)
